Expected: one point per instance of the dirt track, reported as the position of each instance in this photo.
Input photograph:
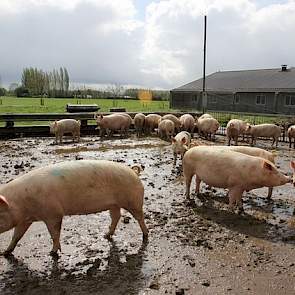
(202, 249)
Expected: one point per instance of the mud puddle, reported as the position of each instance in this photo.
(199, 248)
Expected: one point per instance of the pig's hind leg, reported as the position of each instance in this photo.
(115, 216)
(235, 198)
(19, 231)
(139, 216)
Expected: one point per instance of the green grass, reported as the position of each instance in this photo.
(58, 105)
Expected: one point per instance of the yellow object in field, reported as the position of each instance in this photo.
(145, 95)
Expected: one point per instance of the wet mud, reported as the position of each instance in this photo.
(194, 248)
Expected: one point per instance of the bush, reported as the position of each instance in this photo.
(21, 92)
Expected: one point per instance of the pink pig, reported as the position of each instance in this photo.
(59, 128)
(69, 188)
(235, 171)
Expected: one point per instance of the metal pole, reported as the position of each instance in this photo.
(204, 96)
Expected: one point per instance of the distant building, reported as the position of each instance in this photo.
(252, 91)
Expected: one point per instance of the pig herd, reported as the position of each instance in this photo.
(89, 186)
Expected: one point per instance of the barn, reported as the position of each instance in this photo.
(269, 91)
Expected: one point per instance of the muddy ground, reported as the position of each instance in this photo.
(196, 249)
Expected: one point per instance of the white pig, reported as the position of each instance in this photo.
(174, 119)
(180, 144)
(69, 188)
(229, 169)
(252, 151)
(139, 119)
(264, 130)
(208, 127)
(59, 128)
(291, 135)
(166, 129)
(113, 122)
(187, 123)
(234, 129)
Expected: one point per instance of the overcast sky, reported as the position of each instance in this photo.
(155, 44)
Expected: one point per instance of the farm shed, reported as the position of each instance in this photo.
(255, 91)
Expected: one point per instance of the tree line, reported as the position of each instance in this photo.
(36, 82)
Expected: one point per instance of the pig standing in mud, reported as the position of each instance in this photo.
(174, 119)
(151, 122)
(207, 126)
(180, 144)
(264, 130)
(229, 169)
(234, 129)
(59, 128)
(69, 188)
(139, 119)
(113, 122)
(166, 129)
(252, 151)
(187, 123)
(291, 135)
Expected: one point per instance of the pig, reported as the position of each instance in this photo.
(253, 151)
(151, 122)
(111, 123)
(59, 128)
(264, 130)
(166, 129)
(139, 120)
(180, 144)
(174, 119)
(234, 129)
(291, 134)
(292, 165)
(187, 123)
(228, 169)
(205, 116)
(208, 127)
(70, 188)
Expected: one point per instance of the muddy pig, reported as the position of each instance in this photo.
(228, 169)
(151, 122)
(69, 188)
(111, 123)
(291, 135)
(166, 129)
(59, 128)
(264, 130)
(187, 123)
(139, 119)
(234, 129)
(180, 144)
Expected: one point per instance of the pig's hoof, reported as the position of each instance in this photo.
(54, 254)
(108, 236)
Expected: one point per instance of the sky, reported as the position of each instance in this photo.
(153, 44)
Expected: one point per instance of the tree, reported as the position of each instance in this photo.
(2, 91)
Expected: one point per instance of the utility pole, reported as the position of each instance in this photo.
(204, 94)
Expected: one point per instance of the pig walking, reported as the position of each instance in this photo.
(229, 169)
(69, 188)
(59, 128)
(180, 144)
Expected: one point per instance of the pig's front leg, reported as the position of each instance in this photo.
(235, 197)
(115, 216)
(19, 231)
(54, 226)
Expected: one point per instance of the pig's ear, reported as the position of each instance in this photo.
(173, 139)
(292, 165)
(267, 166)
(3, 201)
(183, 140)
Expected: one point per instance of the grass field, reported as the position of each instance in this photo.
(58, 105)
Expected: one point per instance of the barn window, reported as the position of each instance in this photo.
(260, 99)
(237, 99)
(290, 100)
